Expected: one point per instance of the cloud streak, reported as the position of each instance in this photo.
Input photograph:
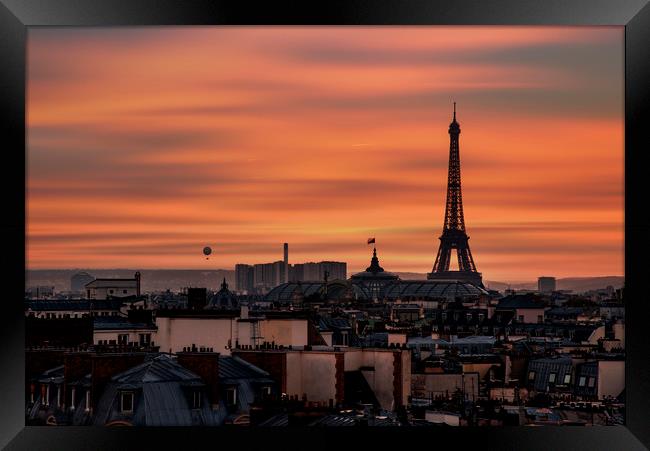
(146, 144)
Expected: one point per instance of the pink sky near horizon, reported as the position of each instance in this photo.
(147, 144)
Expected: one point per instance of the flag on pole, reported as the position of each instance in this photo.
(371, 240)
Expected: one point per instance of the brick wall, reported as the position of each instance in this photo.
(206, 366)
(274, 363)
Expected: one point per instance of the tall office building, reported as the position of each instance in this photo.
(546, 284)
(244, 277)
(311, 272)
(335, 270)
(297, 272)
(315, 272)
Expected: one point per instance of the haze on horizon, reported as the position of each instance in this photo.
(146, 144)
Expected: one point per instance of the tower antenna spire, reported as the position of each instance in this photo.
(454, 237)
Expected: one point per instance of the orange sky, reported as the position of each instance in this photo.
(146, 144)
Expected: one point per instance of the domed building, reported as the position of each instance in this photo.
(223, 299)
(374, 278)
(374, 284)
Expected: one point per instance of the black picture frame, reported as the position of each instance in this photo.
(17, 15)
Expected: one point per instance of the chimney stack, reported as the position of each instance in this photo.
(206, 366)
(286, 262)
(137, 283)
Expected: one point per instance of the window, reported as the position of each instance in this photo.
(551, 378)
(196, 399)
(469, 317)
(567, 378)
(481, 317)
(110, 291)
(591, 382)
(266, 391)
(87, 404)
(123, 291)
(145, 339)
(582, 381)
(531, 375)
(126, 402)
(231, 396)
(444, 316)
(540, 318)
(521, 318)
(434, 316)
(123, 339)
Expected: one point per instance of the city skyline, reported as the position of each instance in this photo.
(355, 120)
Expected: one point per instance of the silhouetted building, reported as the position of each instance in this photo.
(197, 298)
(244, 277)
(113, 288)
(546, 284)
(79, 281)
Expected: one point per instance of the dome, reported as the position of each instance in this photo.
(223, 299)
(374, 271)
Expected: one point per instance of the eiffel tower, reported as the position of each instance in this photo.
(454, 236)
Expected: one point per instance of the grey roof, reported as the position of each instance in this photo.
(74, 304)
(392, 289)
(119, 323)
(432, 289)
(160, 399)
(326, 323)
(545, 366)
(113, 283)
(232, 367)
(54, 375)
(161, 368)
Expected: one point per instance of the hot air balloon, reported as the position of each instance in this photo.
(207, 250)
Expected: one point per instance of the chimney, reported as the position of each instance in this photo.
(105, 366)
(206, 366)
(286, 262)
(137, 283)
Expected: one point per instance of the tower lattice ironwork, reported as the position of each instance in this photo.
(454, 236)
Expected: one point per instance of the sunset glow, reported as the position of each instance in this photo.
(147, 144)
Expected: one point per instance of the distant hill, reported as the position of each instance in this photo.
(176, 279)
(152, 279)
(576, 284)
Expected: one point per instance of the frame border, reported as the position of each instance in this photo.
(17, 15)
